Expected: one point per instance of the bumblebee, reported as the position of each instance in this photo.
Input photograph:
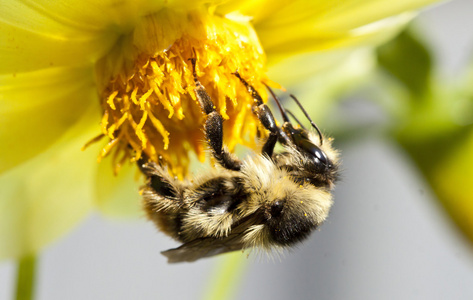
(268, 201)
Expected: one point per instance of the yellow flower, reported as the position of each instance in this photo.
(73, 70)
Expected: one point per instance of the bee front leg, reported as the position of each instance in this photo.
(213, 127)
(265, 116)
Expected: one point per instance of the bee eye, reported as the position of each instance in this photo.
(276, 209)
(320, 157)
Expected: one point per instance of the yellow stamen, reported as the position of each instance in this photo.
(151, 106)
(110, 100)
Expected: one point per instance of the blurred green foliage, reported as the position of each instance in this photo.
(434, 123)
(407, 60)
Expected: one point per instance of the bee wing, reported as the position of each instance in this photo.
(209, 246)
(203, 247)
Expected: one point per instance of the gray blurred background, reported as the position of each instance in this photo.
(385, 238)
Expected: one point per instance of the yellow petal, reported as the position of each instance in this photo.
(344, 15)
(37, 108)
(41, 34)
(287, 27)
(334, 15)
(323, 67)
(118, 195)
(301, 38)
(257, 10)
(45, 197)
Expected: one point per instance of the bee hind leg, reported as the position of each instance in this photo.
(162, 192)
(163, 199)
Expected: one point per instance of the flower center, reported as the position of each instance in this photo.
(151, 108)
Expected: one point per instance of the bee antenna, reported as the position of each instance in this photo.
(281, 109)
(294, 117)
(307, 116)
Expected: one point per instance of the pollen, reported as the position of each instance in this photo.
(150, 108)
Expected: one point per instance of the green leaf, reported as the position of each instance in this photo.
(446, 162)
(407, 59)
(441, 146)
(436, 128)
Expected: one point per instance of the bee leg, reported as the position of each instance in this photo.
(265, 116)
(159, 180)
(163, 199)
(213, 128)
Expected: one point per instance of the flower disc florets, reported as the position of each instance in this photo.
(149, 106)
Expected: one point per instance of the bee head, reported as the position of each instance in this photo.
(283, 210)
(299, 138)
